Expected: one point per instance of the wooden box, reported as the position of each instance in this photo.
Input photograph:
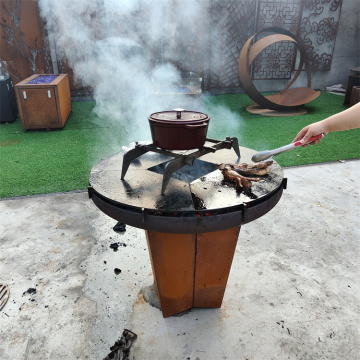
(44, 101)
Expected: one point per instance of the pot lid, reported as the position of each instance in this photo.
(177, 115)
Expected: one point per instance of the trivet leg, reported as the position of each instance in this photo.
(171, 167)
(173, 262)
(214, 254)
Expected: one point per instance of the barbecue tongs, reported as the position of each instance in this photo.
(268, 154)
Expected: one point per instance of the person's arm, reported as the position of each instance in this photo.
(345, 120)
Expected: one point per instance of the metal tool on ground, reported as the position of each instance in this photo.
(121, 349)
(268, 154)
(4, 295)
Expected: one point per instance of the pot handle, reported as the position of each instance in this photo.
(178, 112)
(202, 125)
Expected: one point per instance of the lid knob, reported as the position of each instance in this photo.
(178, 113)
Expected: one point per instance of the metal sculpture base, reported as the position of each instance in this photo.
(191, 270)
(257, 109)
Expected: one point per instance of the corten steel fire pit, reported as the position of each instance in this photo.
(192, 225)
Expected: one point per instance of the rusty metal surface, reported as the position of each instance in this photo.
(22, 43)
(173, 263)
(191, 270)
(293, 98)
(287, 98)
(187, 207)
(214, 254)
(44, 105)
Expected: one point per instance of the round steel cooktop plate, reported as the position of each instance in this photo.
(141, 187)
(195, 201)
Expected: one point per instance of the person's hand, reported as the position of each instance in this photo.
(311, 130)
(344, 120)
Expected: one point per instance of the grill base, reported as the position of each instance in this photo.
(191, 270)
(192, 231)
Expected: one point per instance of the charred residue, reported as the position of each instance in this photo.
(199, 204)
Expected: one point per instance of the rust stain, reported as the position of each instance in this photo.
(77, 240)
(140, 299)
(223, 313)
(54, 250)
(17, 338)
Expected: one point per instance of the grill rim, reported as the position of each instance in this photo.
(187, 221)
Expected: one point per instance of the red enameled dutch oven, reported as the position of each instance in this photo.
(179, 129)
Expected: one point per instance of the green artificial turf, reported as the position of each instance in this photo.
(38, 162)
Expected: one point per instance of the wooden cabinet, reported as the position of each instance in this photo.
(44, 105)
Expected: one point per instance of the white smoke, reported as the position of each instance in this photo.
(107, 42)
(123, 48)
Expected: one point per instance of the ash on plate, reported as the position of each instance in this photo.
(199, 204)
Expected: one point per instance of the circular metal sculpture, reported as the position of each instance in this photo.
(287, 99)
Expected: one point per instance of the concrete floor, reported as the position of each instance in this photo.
(293, 290)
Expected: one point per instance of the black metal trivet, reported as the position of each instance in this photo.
(180, 159)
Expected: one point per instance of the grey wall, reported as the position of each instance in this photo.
(347, 47)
